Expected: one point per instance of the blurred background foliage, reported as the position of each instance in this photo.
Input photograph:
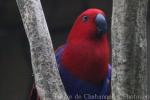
(15, 64)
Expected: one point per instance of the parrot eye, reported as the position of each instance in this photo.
(85, 18)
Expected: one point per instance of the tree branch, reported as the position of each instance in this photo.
(47, 79)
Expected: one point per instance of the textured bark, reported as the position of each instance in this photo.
(129, 50)
(47, 79)
(148, 44)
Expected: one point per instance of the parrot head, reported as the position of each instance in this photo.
(90, 24)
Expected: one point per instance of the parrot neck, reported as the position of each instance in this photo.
(86, 59)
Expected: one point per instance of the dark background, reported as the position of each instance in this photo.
(15, 64)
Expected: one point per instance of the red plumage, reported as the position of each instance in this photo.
(89, 54)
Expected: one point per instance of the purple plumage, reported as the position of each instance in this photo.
(81, 90)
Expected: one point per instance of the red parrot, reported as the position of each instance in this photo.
(83, 62)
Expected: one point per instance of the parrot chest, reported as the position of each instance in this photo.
(85, 61)
(76, 86)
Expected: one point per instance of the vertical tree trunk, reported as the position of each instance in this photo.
(148, 44)
(129, 50)
(47, 79)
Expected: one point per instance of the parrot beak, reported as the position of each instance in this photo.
(101, 25)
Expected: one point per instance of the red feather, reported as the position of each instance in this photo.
(89, 55)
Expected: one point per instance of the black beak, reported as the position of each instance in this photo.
(101, 24)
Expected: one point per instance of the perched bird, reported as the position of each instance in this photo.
(83, 62)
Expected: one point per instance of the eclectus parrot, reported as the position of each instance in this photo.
(83, 62)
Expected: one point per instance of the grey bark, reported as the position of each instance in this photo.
(47, 79)
(148, 44)
(129, 50)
